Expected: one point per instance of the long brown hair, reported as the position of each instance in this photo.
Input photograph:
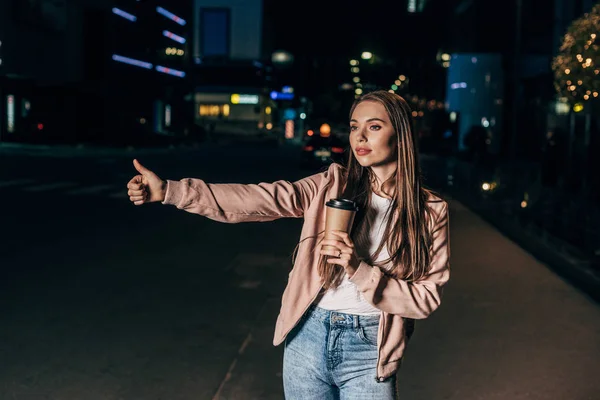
(407, 234)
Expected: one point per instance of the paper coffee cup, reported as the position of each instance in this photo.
(339, 216)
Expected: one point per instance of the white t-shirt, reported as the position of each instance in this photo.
(346, 298)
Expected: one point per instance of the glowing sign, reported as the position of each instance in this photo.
(289, 113)
(244, 98)
(124, 14)
(170, 15)
(281, 96)
(173, 36)
(132, 61)
(174, 51)
(289, 129)
(170, 71)
(458, 85)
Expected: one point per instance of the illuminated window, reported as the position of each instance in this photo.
(167, 115)
(416, 5)
(214, 110)
(412, 6)
(10, 113)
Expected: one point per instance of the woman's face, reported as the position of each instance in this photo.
(372, 137)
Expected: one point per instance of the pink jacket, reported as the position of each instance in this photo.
(400, 301)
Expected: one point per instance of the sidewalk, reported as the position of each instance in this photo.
(567, 260)
(508, 329)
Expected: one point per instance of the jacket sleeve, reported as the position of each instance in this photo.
(416, 300)
(233, 203)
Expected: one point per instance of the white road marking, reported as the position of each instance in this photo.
(16, 182)
(49, 186)
(90, 189)
(121, 194)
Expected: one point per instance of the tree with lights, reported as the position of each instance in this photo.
(577, 80)
(577, 65)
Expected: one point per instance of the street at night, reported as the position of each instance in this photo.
(101, 299)
(394, 200)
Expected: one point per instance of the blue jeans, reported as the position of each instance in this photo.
(331, 355)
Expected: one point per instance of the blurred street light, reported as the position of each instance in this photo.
(282, 57)
(366, 55)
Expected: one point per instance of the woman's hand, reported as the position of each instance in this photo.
(146, 187)
(344, 253)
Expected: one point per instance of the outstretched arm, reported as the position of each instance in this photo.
(230, 203)
(234, 203)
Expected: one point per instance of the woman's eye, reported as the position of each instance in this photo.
(352, 128)
(375, 127)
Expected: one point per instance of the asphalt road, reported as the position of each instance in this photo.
(103, 300)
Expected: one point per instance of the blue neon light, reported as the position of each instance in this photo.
(281, 96)
(124, 14)
(458, 85)
(132, 61)
(170, 15)
(170, 71)
(173, 36)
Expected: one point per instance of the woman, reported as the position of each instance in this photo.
(345, 325)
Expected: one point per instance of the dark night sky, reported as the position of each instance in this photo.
(341, 27)
(342, 30)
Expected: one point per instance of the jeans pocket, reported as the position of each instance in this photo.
(368, 334)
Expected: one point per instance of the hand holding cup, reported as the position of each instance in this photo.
(337, 243)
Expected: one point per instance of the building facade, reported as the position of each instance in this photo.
(475, 98)
(109, 71)
(144, 67)
(41, 61)
(232, 72)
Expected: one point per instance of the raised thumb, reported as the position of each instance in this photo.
(140, 168)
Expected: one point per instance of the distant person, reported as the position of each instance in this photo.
(345, 326)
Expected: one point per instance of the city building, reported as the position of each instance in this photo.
(475, 97)
(40, 63)
(139, 67)
(232, 73)
(522, 37)
(109, 71)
